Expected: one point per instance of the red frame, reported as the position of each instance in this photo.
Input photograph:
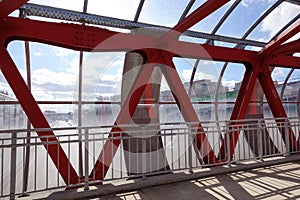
(257, 68)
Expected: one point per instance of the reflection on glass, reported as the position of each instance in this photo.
(243, 16)
(99, 114)
(102, 74)
(59, 115)
(280, 16)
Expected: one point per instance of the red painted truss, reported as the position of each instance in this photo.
(87, 38)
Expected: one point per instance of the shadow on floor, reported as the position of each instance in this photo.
(275, 182)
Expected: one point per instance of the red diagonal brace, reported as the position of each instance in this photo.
(36, 117)
(124, 117)
(287, 34)
(196, 16)
(187, 110)
(277, 108)
(284, 61)
(288, 48)
(240, 109)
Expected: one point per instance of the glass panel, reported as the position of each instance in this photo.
(231, 82)
(122, 9)
(191, 39)
(169, 113)
(76, 5)
(102, 76)
(62, 115)
(244, 15)
(165, 13)
(208, 24)
(224, 44)
(196, 5)
(290, 93)
(16, 50)
(54, 72)
(280, 16)
(253, 48)
(99, 114)
(279, 74)
(11, 116)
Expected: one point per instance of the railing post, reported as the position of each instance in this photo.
(86, 159)
(261, 131)
(227, 135)
(13, 165)
(190, 142)
(287, 137)
(144, 154)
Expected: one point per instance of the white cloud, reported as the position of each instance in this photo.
(246, 3)
(186, 74)
(74, 66)
(230, 84)
(38, 53)
(75, 5)
(278, 74)
(119, 9)
(253, 48)
(62, 52)
(46, 76)
(278, 18)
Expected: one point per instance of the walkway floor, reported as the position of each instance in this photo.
(274, 182)
(249, 180)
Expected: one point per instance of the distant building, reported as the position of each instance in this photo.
(11, 115)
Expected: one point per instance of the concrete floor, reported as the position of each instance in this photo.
(274, 182)
(276, 178)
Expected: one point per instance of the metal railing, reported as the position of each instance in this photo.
(144, 150)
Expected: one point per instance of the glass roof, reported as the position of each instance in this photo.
(208, 24)
(275, 21)
(243, 16)
(122, 9)
(163, 13)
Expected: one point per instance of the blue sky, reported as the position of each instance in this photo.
(55, 70)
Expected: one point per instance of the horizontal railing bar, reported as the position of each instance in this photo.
(135, 126)
(119, 103)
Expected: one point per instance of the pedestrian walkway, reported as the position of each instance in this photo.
(274, 182)
(273, 178)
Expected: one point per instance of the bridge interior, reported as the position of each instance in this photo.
(94, 92)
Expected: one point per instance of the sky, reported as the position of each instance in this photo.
(54, 70)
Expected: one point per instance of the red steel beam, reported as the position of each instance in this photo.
(187, 110)
(284, 61)
(8, 6)
(138, 88)
(78, 37)
(196, 16)
(240, 110)
(287, 34)
(36, 118)
(288, 48)
(277, 108)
